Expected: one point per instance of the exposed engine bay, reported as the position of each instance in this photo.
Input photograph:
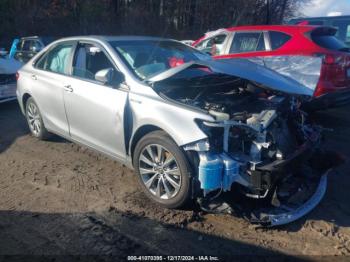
(260, 143)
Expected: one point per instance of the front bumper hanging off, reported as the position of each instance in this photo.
(294, 194)
(269, 215)
(283, 215)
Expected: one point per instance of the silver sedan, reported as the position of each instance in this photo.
(189, 126)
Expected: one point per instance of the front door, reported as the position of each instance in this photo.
(95, 111)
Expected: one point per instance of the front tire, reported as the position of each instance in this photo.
(35, 121)
(163, 170)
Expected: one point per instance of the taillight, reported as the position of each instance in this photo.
(332, 59)
(17, 76)
(333, 74)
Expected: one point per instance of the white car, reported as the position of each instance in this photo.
(189, 126)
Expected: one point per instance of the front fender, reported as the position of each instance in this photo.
(177, 121)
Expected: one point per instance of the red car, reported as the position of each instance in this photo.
(313, 50)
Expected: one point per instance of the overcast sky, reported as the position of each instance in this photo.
(326, 7)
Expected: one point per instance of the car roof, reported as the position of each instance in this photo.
(340, 17)
(289, 29)
(30, 37)
(115, 38)
(286, 28)
(34, 37)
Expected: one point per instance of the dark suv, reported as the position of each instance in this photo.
(28, 47)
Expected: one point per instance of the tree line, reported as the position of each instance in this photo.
(179, 19)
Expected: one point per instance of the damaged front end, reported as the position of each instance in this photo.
(260, 144)
(272, 159)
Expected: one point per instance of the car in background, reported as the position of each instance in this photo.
(298, 51)
(3, 52)
(187, 42)
(28, 47)
(342, 23)
(8, 69)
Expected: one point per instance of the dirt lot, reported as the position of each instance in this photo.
(59, 198)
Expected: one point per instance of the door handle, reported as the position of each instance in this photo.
(34, 77)
(68, 88)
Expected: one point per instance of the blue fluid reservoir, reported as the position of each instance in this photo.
(210, 171)
(230, 172)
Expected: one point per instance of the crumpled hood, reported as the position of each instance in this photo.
(246, 70)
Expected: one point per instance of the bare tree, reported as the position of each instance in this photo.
(173, 18)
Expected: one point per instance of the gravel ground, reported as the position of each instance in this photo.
(58, 198)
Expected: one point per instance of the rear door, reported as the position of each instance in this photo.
(47, 84)
(95, 111)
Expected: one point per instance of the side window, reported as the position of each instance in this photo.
(205, 45)
(278, 39)
(213, 45)
(218, 45)
(20, 45)
(56, 60)
(26, 45)
(88, 60)
(247, 42)
(35, 46)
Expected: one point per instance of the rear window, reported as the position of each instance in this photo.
(278, 39)
(330, 42)
(343, 27)
(325, 37)
(316, 22)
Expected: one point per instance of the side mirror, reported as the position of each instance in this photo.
(109, 76)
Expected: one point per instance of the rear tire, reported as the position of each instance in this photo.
(162, 170)
(35, 121)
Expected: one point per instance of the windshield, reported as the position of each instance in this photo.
(146, 58)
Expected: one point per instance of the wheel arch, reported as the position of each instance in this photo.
(146, 129)
(141, 132)
(25, 98)
(190, 156)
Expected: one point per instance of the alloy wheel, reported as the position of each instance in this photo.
(159, 171)
(34, 119)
